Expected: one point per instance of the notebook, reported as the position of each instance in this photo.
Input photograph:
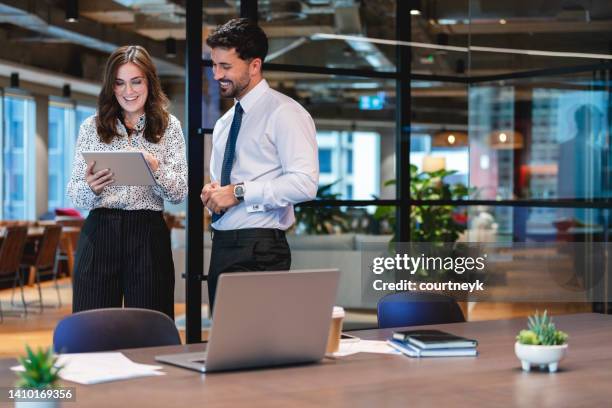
(433, 339)
(413, 351)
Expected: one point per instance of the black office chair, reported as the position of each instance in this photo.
(417, 309)
(114, 329)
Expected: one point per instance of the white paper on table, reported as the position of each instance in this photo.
(364, 346)
(94, 368)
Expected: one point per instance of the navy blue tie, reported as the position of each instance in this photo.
(230, 150)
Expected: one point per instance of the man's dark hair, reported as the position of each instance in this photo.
(244, 35)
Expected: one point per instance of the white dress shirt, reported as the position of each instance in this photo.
(276, 158)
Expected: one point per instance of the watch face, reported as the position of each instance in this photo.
(239, 191)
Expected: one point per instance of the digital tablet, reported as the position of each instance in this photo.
(129, 168)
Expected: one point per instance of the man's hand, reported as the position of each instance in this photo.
(220, 198)
(98, 180)
(208, 188)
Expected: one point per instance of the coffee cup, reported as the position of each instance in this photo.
(335, 330)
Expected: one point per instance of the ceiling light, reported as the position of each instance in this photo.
(66, 91)
(446, 138)
(170, 47)
(415, 7)
(72, 11)
(326, 36)
(460, 66)
(14, 80)
(502, 21)
(506, 140)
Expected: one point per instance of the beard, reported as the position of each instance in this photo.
(235, 88)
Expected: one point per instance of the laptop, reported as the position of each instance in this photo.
(265, 319)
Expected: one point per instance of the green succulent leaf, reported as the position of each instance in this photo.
(40, 367)
(527, 337)
(541, 331)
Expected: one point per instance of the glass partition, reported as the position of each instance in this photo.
(540, 138)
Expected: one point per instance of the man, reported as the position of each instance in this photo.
(264, 159)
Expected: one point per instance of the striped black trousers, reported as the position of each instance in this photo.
(124, 258)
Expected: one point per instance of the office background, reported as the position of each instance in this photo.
(513, 97)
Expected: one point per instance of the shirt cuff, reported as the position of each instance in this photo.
(157, 174)
(93, 198)
(254, 196)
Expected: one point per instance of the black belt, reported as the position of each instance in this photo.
(247, 233)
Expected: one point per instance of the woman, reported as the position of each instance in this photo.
(124, 255)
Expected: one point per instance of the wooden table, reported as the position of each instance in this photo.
(493, 379)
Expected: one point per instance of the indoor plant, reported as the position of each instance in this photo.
(430, 223)
(322, 220)
(40, 373)
(542, 344)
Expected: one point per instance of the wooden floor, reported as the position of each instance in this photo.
(37, 329)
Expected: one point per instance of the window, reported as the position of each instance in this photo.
(17, 187)
(53, 189)
(325, 160)
(349, 161)
(64, 122)
(18, 158)
(82, 113)
(61, 141)
(348, 156)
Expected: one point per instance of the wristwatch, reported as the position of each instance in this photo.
(239, 191)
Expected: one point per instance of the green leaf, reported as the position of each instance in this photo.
(543, 327)
(40, 370)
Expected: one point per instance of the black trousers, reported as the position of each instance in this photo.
(251, 249)
(124, 258)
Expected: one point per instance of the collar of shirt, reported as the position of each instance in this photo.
(250, 99)
(140, 125)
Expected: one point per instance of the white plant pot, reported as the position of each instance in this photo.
(542, 356)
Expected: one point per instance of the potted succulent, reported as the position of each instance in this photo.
(40, 373)
(541, 345)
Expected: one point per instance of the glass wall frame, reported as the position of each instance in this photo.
(462, 54)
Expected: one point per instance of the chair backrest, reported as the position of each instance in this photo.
(114, 329)
(12, 248)
(47, 250)
(71, 229)
(416, 309)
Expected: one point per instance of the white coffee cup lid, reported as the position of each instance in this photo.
(338, 312)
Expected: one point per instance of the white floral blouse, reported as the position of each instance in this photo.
(171, 176)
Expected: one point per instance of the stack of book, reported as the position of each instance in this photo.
(432, 343)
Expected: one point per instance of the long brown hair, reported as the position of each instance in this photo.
(155, 107)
